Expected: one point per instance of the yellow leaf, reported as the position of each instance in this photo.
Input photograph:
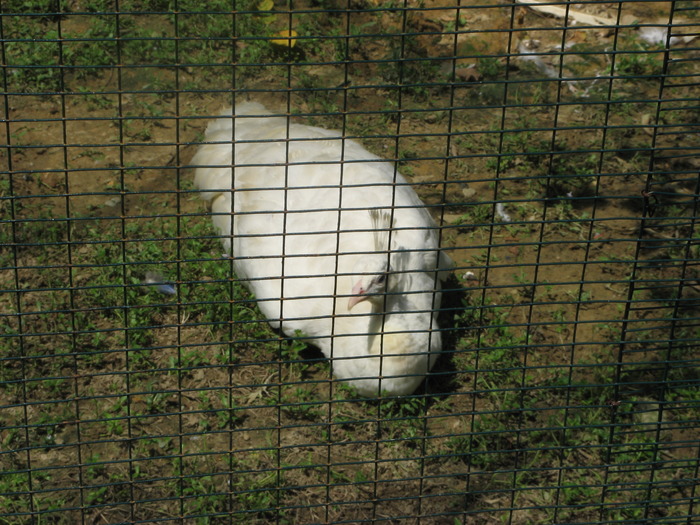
(266, 7)
(286, 38)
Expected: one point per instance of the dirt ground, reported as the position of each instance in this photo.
(568, 210)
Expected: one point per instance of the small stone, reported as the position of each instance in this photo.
(468, 192)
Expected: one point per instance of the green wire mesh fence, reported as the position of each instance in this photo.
(554, 144)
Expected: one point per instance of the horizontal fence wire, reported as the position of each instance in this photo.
(489, 271)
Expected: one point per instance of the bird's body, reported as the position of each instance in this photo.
(312, 225)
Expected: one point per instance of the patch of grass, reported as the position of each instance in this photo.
(641, 61)
(41, 62)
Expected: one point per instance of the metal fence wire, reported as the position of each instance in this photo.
(465, 278)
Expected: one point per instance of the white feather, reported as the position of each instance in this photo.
(299, 248)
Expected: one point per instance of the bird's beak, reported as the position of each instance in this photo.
(358, 295)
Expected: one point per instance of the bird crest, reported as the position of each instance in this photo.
(381, 226)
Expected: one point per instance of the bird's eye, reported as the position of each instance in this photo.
(381, 278)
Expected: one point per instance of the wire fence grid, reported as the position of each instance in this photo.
(554, 144)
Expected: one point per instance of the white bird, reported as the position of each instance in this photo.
(332, 241)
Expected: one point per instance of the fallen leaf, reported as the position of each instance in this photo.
(286, 38)
(468, 74)
(266, 5)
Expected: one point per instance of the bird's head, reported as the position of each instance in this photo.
(370, 277)
(372, 274)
